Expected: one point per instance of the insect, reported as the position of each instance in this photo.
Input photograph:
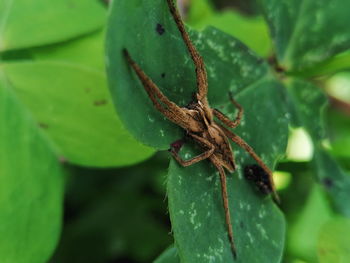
(197, 119)
(259, 177)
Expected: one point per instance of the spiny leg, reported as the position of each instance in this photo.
(202, 82)
(239, 141)
(149, 84)
(171, 111)
(193, 160)
(226, 206)
(222, 117)
(198, 158)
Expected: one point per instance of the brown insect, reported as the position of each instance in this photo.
(197, 119)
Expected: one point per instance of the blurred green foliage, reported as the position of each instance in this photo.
(59, 133)
(115, 215)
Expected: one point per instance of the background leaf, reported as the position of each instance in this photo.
(338, 126)
(85, 51)
(334, 239)
(307, 32)
(46, 22)
(252, 31)
(309, 105)
(303, 233)
(168, 256)
(76, 112)
(31, 186)
(115, 214)
(335, 180)
(328, 67)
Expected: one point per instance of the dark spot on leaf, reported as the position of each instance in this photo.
(259, 177)
(100, 102)
(43, 125)
(327, 182)
(160, 29)
(162, 75)
(241, 224)
(87, 90)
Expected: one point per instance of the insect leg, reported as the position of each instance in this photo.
(202, 82)
(239, 141)
(198, 158)
(222, 117)
(226, 206)
(168, 108)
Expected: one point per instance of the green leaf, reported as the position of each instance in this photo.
(31, 186)
(168, 256)
(335, 180)
(334, 240)
(194, 193)
(330, 66)
(309, 103)
(86, 51)
(231, 66)
(303, 234)
(339, 129)
(252, 31)
(32, 23)
(108, 210)
(199, 10)
(76, 112)
(307, 32)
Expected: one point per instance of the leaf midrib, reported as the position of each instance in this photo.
(294, 34)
